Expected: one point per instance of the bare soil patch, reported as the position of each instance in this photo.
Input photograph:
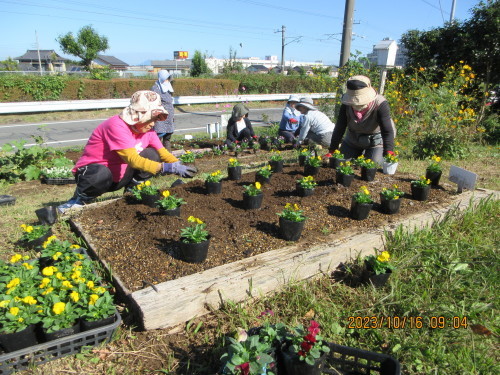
(140, 245)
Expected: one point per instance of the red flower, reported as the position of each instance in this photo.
(306, 346)
(328, 155)
(244, 368)
(301, 353)
(313, 328)
(390, 152)
(310, 338)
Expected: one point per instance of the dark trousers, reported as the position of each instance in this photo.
(288, 135)
(244, 135)
(94, 180)
(352, 152)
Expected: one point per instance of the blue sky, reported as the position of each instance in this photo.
(140, 31)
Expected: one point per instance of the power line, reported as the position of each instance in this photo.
(300, 11)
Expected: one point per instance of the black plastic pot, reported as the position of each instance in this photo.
(234, 173)
(213, 187)
(360, 211)
(49, 336)
(302, 160)
(301, 192)
(334, 162)
(376, 280)
(193, 252)
(390, 206)
(252, 202)
(276, 166)
(7, 200)
(37, 241)
(433, 176)
(262, 179)
(10, 342)
(291, 230)
(344, 179)
(86, 325)
(47, 215)
(173, 212)
(294, 366)
(150, 200)
(309, 170)
(368, 174)
(420, 193)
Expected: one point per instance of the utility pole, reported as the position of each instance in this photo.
(283, 28)
(345, 51)
(452, 14)
(38, 50)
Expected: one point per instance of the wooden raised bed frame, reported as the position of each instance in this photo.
(174, 302)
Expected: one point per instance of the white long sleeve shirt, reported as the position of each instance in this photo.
(316, 122)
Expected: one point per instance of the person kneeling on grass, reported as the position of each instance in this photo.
(124, 151)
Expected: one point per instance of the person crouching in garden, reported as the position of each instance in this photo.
(367, 118)
(124, 151)
(239, 127)
(163, 87)
(289, 125)
(314, 125)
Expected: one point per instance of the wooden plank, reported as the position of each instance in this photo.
(180, 300)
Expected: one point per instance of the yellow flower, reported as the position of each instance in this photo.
(45, 282)
(58, 307)
(49, 271)
(421, 69)
(90, 284)
(14, 310)
(93, 298)
(27, 266)
(147, 183)
(16, 258)
(20, 320)
(288, 205)
(296, 207)
(67, 284)
(384, 256)
(13, 283)
(365, 190)
(4, 303)
(60, 276)
(139, 187)
(258, 185)
(336, 152)
(56, 255)
(74, 246)
(29, 300)
(74, 296)
(193, 219)
(166, 193)
(99, 290)
(47, 291)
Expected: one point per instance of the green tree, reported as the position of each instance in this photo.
(86, 45)
(198, 65)
(9, 65)
(231, 65)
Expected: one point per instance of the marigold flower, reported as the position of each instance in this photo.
(45, 282)
(58, 307)
(90, 284)
(29, 300)
(147, 183)
(13, 283)
(47, 291)
(56, 255)
(27, 266)
(14, 310)
(193, 219)
(93, 298)
(166, 193)
(16, 258)
(49, 271)
(67, 284)
(258, 185)
(384, 256)
(74, 296)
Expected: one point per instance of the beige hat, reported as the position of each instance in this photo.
(306, 102)
(144, 106)
(293, 98)
(359, 91)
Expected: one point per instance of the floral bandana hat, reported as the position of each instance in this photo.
(144, 106)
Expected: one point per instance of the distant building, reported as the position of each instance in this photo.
(48, 59)
(176, 67)
(387, 53)
(260, 69)
(110, 61)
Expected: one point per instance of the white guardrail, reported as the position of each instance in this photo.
(74, 105)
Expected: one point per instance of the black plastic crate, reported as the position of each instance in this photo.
(51, 350)
(7, 200)
(344, 360)
(58, 181)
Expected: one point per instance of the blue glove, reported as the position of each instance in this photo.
(178, 168)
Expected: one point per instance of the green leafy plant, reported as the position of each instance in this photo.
(217, 150)
(253, 189)
(214, 176)
(307, 343)
(361, 161)
(393, 193)
(144, 188)
(303, 152)
(57, 172)
(265, 171)
(336, 155)
(391, 157)
(435, 164)
(32, 232)
(421, 182)
(345, 168)
(276, 155)
(169, 201)
(195, 233)
(307, 182)
(187, 157)
(379, 264)
(233, 162)
(292, 213)
(244, 145)
(58, 313)
(363, 195)
(314, 161)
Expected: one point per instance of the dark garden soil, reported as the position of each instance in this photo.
(140, 244)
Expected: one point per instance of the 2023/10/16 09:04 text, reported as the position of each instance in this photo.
(401, 322)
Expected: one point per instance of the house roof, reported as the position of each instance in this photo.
(384, 44)
(45, 54)
(258, 67)
(111, 60)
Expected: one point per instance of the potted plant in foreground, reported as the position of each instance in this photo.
(252, 197)
(276, 161)
(194, 241)
(234, 169)
(302, 155)
(313, 165)
(291, 222)
(34, 235)
(187, 157)
(263, 175)
(420, 188)
(304, 351)
(335, 158)
(377, 268)
(146, 193)
(345, 174)
(213, 182)
(169, 204)
(368, 168)
(390, 163)
(434, 170)
(305, 186)
(389, 199)
(361, 204)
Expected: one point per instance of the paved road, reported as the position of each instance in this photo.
(77, 132)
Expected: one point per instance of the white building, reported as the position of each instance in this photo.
(216, 64)
(387, 53)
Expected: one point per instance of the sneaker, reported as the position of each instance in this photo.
(71, 204)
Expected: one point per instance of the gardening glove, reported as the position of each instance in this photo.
(178, 168)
